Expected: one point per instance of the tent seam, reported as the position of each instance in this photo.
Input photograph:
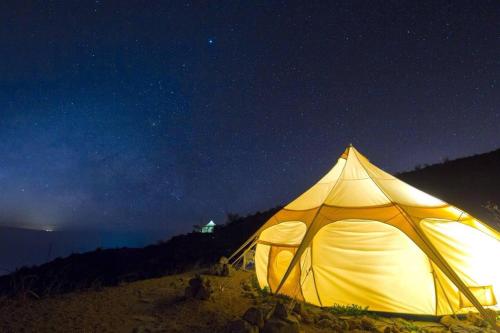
(287, 273)
(432, 249)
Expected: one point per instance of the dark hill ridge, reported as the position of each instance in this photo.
(466, 182)
(111, 266)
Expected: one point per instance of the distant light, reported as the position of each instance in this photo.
(208, 228)
(210, 41)
(48, 230)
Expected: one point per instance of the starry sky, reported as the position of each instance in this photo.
(133, 115)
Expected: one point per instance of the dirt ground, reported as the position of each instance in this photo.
(153, 305)
(156, 305)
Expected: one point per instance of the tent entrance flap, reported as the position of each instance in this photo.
(484, 295)
(279, 260)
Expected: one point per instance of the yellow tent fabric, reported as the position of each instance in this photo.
(362, 236)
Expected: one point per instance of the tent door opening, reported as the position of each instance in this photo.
(280, 259)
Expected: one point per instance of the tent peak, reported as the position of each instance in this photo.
(347, 151)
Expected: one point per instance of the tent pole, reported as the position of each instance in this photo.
(252, 238)
(245, 251)
(442, 264)
(300, 250)
(438, 259)
(302, 247)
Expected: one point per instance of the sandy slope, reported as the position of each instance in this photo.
(151, 304)
(155, 305)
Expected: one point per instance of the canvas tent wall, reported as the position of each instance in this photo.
(361, 236)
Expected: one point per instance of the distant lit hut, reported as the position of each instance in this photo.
(205, 229)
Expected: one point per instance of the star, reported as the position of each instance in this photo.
(172, 124)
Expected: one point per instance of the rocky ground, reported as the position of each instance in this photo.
(198, 303)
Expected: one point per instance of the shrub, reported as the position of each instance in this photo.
(353, 310)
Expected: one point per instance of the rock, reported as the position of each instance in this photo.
(297, 316)
(457, 326)
(476, 320)
(223, 260)
(448, 321)
(254, 316)
(325, 323)
(298, 308)
(292, 320)
(326, 315)
(280, 311)
(241, 326)
(246, 286)
(368, 324)
(276, 325)
(188, 292)
(225, 270)
(267, 310)
(203, 293)
(458, 329)
(196, 282)
(400, 325)
(435, 329)
(307, 317)
(384, 328)
(342, 325)
(199, 288)
(354, 323)
(221, 269)
(328, 320)
(215, 269)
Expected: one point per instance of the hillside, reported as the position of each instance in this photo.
(466, 182)
(108, 267)
(233, 305)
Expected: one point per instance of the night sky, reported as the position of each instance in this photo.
(157, 115)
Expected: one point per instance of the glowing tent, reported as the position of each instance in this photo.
(361, 236)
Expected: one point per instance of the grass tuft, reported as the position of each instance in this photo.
(351, 310)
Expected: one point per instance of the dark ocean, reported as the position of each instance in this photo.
(25, 247)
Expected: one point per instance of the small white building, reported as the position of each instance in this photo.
(207, 228)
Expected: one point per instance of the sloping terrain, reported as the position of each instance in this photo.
(113, 266)
(96, 292)
(158, 305)
(466, 182)
(154, 304)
